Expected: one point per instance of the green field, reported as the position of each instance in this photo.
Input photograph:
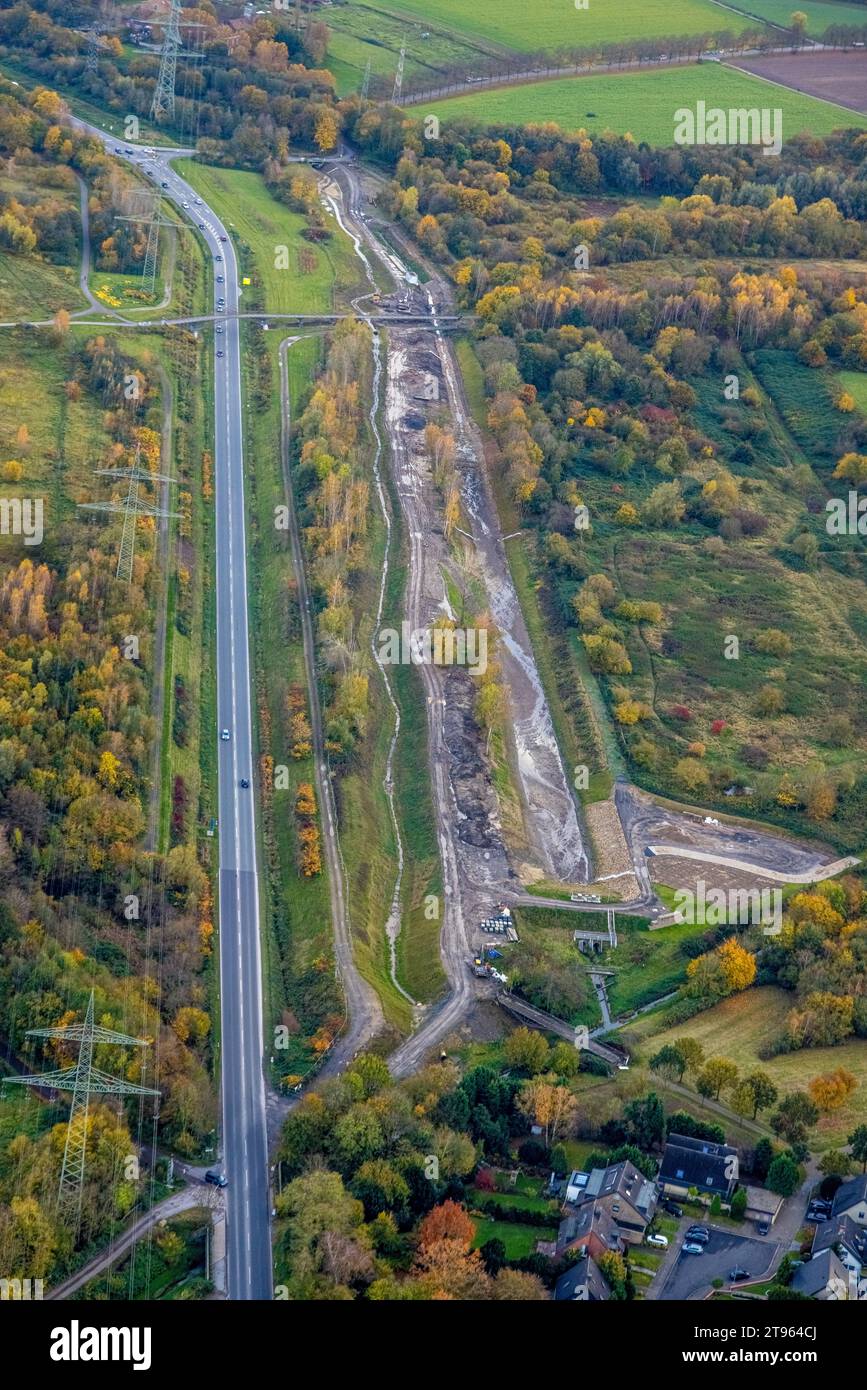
(358, 35)
(643, 103)
(739, 1027)
(856, 384)
(820, 13)
(557, 24)
(262, 224)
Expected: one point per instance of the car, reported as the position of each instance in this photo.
(655, 1239)
(763, 1227)
(218, 257)
(818, 1214)
(201, 226)
(219, 280)
(672, 1208)
(692, 1247)
(699, 1235)
(219, 328)
(198, 202)
(737, 1274)
(216, 1178)
(224, 238)
(220, 352)
(186, 205)
(245, 782)
(163, 185)
(224, 735)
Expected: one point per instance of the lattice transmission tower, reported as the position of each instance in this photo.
(398, 76)
(131, 509)
(83, 1079)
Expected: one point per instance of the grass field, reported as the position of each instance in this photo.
(358, 35)
(820, 13)
(557, 24)
(856, 384)
(740, 1026)
(643, 103)
(261, 224)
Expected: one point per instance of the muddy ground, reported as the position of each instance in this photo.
(837, 77)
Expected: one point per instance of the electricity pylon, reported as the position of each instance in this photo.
(92, 59)
(131, 509)
(398, 76)
(365, 86)
(163, 104)
(151, 257)
(83, 1079)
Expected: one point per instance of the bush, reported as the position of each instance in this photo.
(533, 1153)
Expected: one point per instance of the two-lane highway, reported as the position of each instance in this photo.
(245, 1142)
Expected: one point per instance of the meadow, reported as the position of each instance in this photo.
(740, 1027)
(262, 224)
(820, 13)
(642, 103)
(558, 24)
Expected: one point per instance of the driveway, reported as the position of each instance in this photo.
(692, 1276)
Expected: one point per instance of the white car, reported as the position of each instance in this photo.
(224, 735)
(654, 1239)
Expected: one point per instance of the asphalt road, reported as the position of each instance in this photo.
(245, 1142)
(692, 1276)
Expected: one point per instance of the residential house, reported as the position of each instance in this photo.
(698, 1163)
(628, 1197)
(840, 1233)
(583, 1283)
(824, 1278)
(588, 1228)
(850, 1200)
(762, 1205)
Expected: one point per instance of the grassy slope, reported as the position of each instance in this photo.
(263, 224)
(739, 1027)
(555, 24)
(644, 103)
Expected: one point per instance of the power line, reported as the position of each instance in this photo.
(83, 1080)
(131, 510)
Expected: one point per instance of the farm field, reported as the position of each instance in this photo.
(820, 13)
(836, 77)
(739, 1027)
(641, 103)
(553, 24)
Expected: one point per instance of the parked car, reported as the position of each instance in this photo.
(698, 1233)
(692, 1248)
(763, 1227)
(672, 1208)
(216, 1178)
(656, 1239)
(737, 1274)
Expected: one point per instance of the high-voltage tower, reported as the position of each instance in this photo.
(83, 1079)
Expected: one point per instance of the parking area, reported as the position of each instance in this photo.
(692, 1276)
